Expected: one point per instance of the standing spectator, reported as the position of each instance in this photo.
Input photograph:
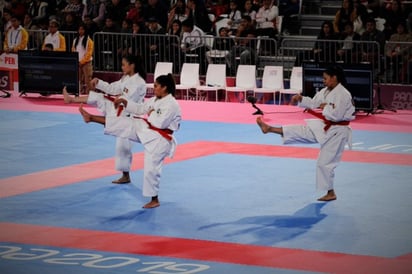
(156, 9)
(193, 43)
(136, 12)
(16, 38)
(54, 37)
(95, 9)
(84, 45)
(347, 13)
(199, 15)
(398, 54)
(266, 19)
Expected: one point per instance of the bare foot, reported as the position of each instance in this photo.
(152, 204)
(330, 196)
(263, 126)
(86, 116)
(66, 96)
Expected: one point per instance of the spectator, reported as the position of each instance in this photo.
(393, 16)
(324, 49)
(154, 44)
(361, 17)
(348, 51)
(70, 23)
(199, 15)
(371, 53)
(137, 41)
(156, 9)
(136, 12)
(193, 43)
(6, 20)
(175, 33)
(75, 7)
(16, 38)
(288, 8)
(84, 45)
(110, 26)
(179, 11)
(125, 40)
(28, 22)
(95, 9)
(54, 37)
(38, 9)
(48, 47)
(223, 42)
(398, 54)
(347, 13)
(116, 10)
(248, 10)
(266, 19)
(234, 16)
(91, 26)
(17, 8)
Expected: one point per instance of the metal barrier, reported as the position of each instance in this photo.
(110, 47)
(398, 62)
(36, 38)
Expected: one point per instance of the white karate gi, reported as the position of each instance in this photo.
(132, 88)
(166, 114)
(332, 142)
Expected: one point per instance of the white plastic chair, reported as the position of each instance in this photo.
(161, 68)
(215, 79)
(272, 81)
(245, 80)
(295, 83)
(189, 77)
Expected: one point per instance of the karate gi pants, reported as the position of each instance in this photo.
(156, 148)
(332, 144)
(123, 150)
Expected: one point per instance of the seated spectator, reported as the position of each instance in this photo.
(324, 49)
(38, 10)
(397, 54)
(393, 15)
(16, 37)
(234, 17)
(70, 23)
(155, 44)
(116, 10)
(110, 26)
(193, 43)
(135, 14)
(95, 9)
(221, 47)
(91, 26)
(137, 41)
(75, 7)
(156, 9)
(179, 12)
(248, 10)
(347, 13)
(54, 37)
(369, 51)
(361, 17)
(173, 43)
(348, 51)
(288, 8)
(199, 15)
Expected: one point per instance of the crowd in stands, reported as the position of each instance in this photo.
(355, 20)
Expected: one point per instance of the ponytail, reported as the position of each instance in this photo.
(167, 81)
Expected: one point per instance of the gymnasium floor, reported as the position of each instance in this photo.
(233, 200)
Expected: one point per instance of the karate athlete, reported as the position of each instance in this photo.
(132, 87)
(331, 130)
(154, 131)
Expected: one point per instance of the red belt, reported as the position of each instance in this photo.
(165, 132)
(328, 123)
(112, 99)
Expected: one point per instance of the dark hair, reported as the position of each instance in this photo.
(86, 36)
(188, 23)
(137, 61)
(49, 46)
(335, 70)
(167, 81)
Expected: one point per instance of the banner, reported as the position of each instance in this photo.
(396, 96)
